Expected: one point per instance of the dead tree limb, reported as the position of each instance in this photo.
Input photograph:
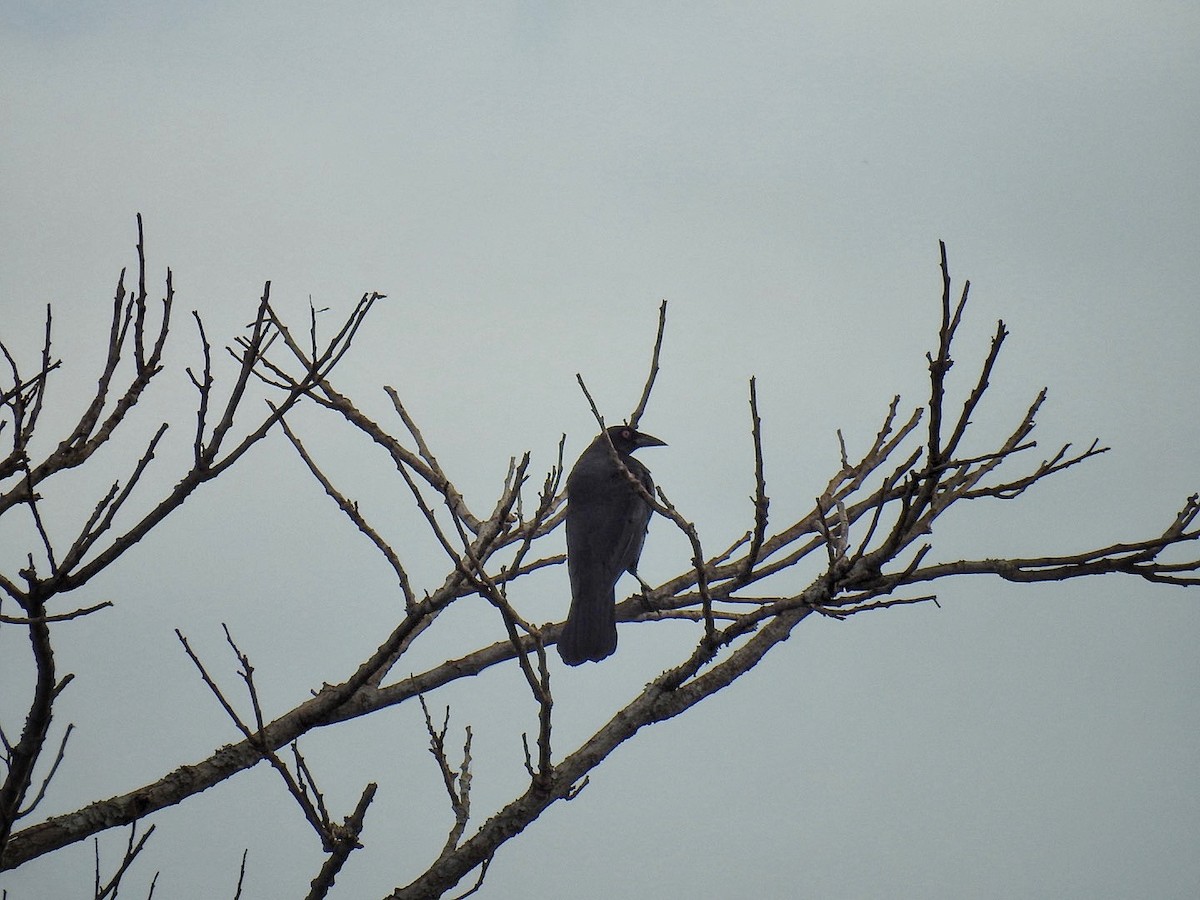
(869, 541)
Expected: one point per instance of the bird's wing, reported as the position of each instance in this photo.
(606, 518)
(637, 520)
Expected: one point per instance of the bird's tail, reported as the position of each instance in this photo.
(591, 630)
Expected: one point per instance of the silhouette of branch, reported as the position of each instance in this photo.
(346, 841)
(457, 782)
(241, 875)
(352, 512)
(640, 409)
(762, 502)
(134, 846)
(868, 542)
(133, 358)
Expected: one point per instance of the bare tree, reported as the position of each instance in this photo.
(868, 537)
(136, 339)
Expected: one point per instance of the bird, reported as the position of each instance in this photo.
(607, 519)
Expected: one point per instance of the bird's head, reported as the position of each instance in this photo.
(627, 439)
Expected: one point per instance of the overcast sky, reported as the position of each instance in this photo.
(526, 182)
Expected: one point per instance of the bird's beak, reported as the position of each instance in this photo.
(649, 440)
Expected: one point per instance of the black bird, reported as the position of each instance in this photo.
(606, 526)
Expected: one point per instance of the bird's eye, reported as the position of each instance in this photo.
(627, 434)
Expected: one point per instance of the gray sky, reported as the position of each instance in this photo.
(526, 182)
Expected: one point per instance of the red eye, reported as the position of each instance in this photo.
(627, 434)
